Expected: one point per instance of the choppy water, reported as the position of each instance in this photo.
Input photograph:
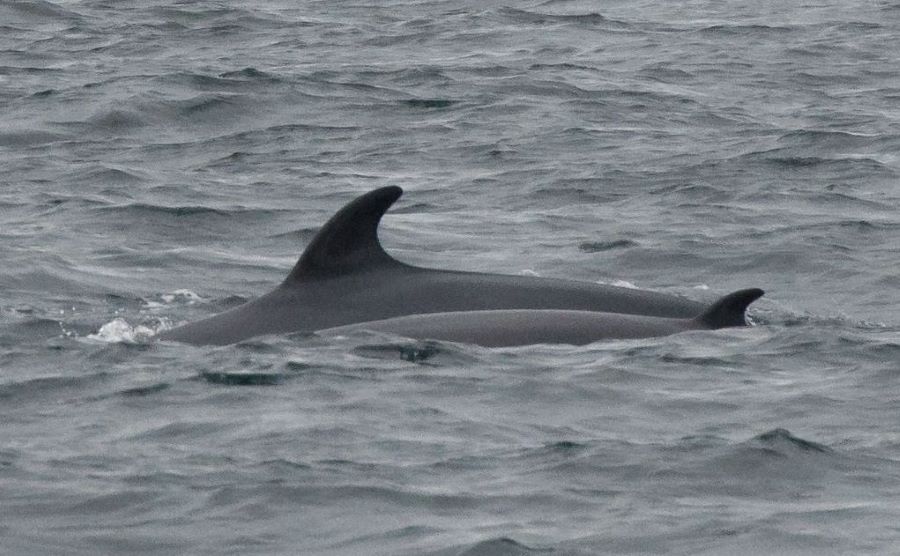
(163, 161)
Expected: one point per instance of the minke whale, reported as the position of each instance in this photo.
(345, 276)
(518, 327)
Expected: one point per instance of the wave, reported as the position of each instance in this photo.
(242, 378)
(145, 390)
(429, 102)
(758, 29)
(251, 74)
(500, 546)
(218, 18)
(150, 210)
(590, 19)
(117, 121)
(835, 139)
(105, 175)
(29, 138)
(600, 246)
(783, 443)
(30, 389)
(36, 11)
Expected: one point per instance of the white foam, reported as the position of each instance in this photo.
(181, 297)
(118, 330)
(623, 284)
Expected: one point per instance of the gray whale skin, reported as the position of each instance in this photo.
(517, 327)
(344, 276)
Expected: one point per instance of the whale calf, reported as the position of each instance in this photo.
(344, 276)
(518, 327)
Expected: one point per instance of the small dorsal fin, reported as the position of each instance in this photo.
(729, 310)
(348, 242)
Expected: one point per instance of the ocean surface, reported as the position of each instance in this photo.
(162, 161)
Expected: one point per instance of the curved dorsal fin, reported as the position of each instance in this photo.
(348, 242)
(729, 310)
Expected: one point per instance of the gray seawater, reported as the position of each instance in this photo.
(162, 161)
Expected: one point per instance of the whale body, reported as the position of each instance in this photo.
(344, 276)
(517, 327)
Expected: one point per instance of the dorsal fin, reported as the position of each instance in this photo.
(348, 242)
(729, 310)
